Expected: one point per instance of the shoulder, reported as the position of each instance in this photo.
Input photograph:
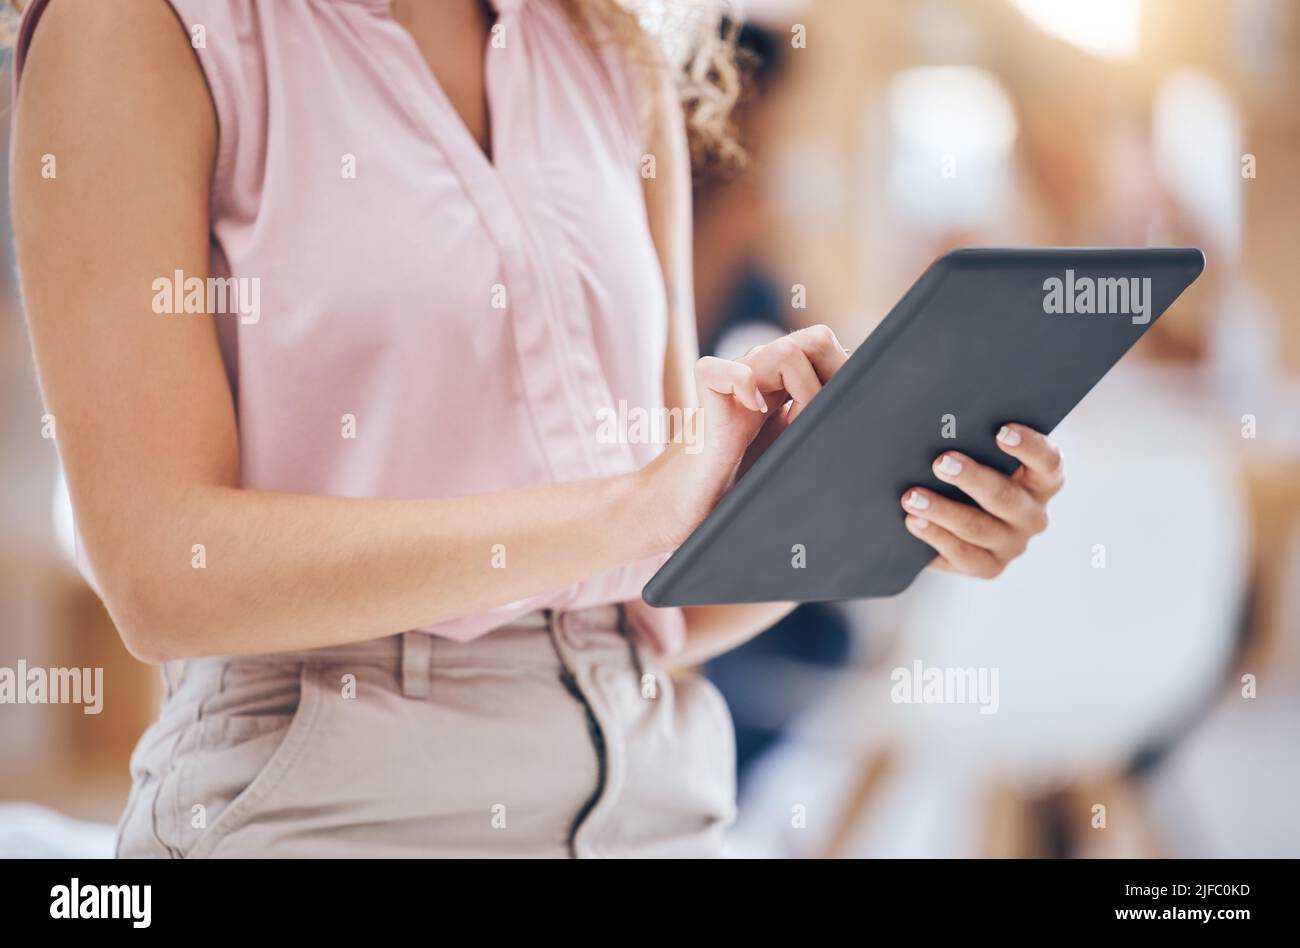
(110, 59)
(126, 31)
(170, 67)
(123, 131)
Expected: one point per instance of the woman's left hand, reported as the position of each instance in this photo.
(981, 541)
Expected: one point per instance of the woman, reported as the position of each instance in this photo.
(357, 500)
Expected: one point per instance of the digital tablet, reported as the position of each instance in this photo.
(985, 336)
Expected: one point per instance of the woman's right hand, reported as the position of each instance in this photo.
(744, 405)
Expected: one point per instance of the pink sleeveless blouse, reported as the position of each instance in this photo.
(430, 322)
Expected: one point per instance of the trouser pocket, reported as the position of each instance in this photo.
(240, 749)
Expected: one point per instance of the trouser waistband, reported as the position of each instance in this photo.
(558, 640)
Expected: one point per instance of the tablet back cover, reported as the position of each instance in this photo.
(973, 344)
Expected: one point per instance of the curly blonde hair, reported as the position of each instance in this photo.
(693, 40)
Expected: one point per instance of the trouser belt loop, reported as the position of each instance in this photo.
(417, 681)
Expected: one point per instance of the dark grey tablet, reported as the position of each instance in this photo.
(983, 337)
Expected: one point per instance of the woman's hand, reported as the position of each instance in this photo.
(744, 405)
(981, 542)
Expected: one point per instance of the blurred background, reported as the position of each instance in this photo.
(1147, 650)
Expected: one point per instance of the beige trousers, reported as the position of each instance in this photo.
(555, 736)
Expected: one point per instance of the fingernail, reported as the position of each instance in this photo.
(1009, 437)
(762, 402)
(917, 500)
(920, 523)
(949, 465)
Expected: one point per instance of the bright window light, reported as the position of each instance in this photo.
(952, 133)
(1106, 27)
(1196, 136)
